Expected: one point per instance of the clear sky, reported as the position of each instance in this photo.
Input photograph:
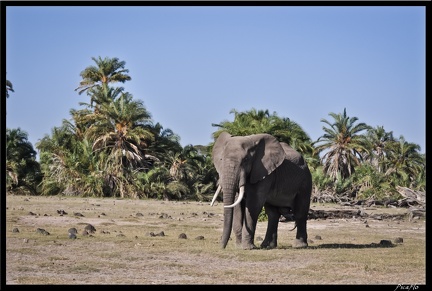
(192, 65)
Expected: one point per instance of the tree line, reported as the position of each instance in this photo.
(113, 148)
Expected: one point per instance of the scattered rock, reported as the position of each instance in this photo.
(90, 228)
(15, 229)
(73, 230)
(78, 214)
(42, 231)
(398, 240)
(182, 236)
(200, 237)
(164, 215)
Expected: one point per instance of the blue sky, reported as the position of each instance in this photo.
(192, 65)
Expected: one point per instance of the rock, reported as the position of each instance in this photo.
(398, 240)
(42, 231)
(90, 228)
(73, 230)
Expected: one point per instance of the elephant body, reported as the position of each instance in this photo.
(261, 172)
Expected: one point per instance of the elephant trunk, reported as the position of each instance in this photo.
(239, 199)
(229, 189)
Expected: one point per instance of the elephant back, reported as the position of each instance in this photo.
(293, 155)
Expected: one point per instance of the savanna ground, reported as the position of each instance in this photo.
(138, 242)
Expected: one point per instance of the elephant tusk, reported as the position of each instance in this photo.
(241, 194)
(216, 195)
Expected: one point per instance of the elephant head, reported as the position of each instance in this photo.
(240, 160)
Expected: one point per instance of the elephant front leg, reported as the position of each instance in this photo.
(270, 240)
(249, 228)
(238, 218)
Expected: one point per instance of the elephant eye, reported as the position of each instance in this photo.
(246, 159)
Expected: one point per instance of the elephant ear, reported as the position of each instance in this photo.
(218, 148)
(269, 155)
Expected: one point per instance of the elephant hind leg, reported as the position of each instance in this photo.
(301, 211)
(301, 237)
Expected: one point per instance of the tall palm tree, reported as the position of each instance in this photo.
(121, 129)
(107, 70)
(343, 143)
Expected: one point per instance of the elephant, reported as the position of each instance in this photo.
(258, 171)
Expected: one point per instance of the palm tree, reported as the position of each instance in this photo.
(121, 128)
(23, 171)
(261, 121)
(344, 145)
(165, 141)
(290, 132)
(119, 131)
(9, 88)
(107, 70)
(377, 141)
(58, 154)
(404, 162)
(244, 123)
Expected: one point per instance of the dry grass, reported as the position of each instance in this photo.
(122, 252)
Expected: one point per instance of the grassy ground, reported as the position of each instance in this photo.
(123, 251)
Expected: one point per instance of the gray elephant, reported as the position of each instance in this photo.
(258, 171)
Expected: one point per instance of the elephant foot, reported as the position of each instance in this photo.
(298, 243)
(249, 247)
(268, 245)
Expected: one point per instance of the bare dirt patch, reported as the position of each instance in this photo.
(362, 249)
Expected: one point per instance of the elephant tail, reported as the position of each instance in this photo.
(287, 216)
